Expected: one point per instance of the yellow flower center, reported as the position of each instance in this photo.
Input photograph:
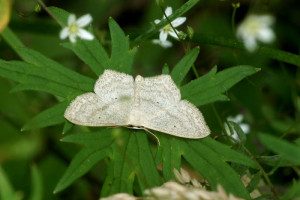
(253, 27)
(167, 28)
(73, 28)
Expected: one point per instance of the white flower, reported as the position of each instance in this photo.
(238, 120)
(183, 176)
(168, 30)
(164, 44)
(74, 28)
(119, 196)
(256, 28)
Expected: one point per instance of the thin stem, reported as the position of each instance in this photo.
(265, 175)
(48, 11)
(175, 31)
(235, 7)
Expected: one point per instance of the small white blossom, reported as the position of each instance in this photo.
(168, 30)
(75, 28)
(256, 28)
(183, 176)
(238, 120)
(119, 196)
(164, 44)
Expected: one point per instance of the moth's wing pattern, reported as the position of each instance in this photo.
(110, 106)
(182, 119)
(114, 86)
(161, 108)
(153, 94)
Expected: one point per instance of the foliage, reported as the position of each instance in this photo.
(116, 160)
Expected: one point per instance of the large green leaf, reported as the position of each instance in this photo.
(292, 192)
(209, 88)
(48, 117)
(288, 151)
(41, 61)
(36, 78)
(121, 55)
(129, 155)
(206, 156)
(183, 66)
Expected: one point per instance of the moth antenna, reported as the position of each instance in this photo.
(153, 135)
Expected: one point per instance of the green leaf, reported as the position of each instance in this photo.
(209, 88)
(37, 184)
(227, 154)
(166, 69)
(36, 78)
(121, 56)
(129, 155)
(37, 59)
(293, 191)
(287, 150)
(6, 190)
(154, 29)
(183, 66)
(96, 149)
(213, 169)
(48, 117)
(254, 182)
(208, 157)
(232, 43)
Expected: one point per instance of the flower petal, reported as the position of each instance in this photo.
(163, 36)
(173, 34)
(83, 34)
(178, 21)
(72, 38)
(71, 19)
(64, 33)
(84, 20)
(166, 44)
(168, 11)
(266, 35)
(157, 21)
(250, 44)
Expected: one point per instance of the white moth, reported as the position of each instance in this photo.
(140, 103)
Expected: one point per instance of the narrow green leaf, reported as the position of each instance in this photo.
(45, 63)
(131, 157)
(232, 43)
(212, 168)
(36, 78)
(227, 154)
(154, 29)
(121, 56)
(166, 69)
(68, 125)
(82, 163)
(171, 155)
(209, 88)
(293, 191)
(120, 175)
(146, 171)
(254, 182)
(6, 190)
(288, 151)
(183, 66)
(49, 117)
(37, 184)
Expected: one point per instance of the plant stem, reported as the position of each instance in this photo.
(265, 175)
(235, 7)
(48, 11)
